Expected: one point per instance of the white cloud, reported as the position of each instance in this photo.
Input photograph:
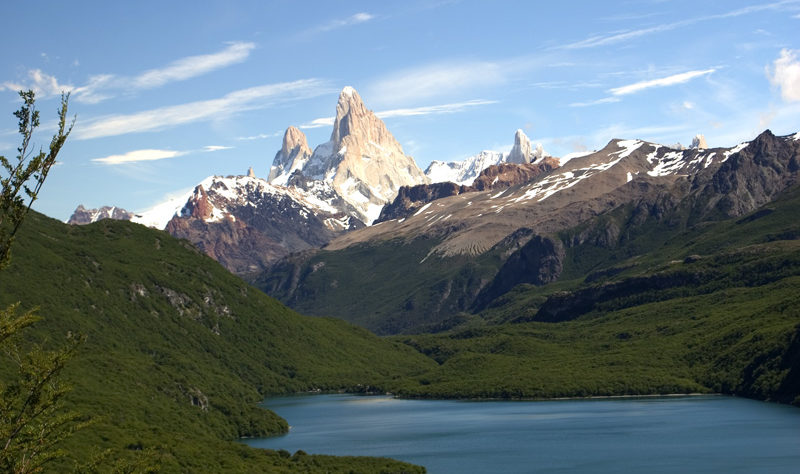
(138, 156)
(434, 109)
(661, 82)
(43, 84)
(408, 112)
(360, 17)
(786, 75)
(439, 79)
(164, 117)
(617, 37)
(261, 136)
(102, 86)
(193, 66)
(150, 154)
(209, 148)
(320, 122)
(604, 100)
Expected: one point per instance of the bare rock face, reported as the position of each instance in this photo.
(362, 161)
(246, 223)
(87, 216)
(699, 141)
(504, 175)
(523, 150)
(372, 164)
(292, 156)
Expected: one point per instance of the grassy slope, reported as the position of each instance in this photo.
(728, 321)
(405, 290)
(179, 351)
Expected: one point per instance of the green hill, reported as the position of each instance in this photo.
(715, 308)
(179, 351)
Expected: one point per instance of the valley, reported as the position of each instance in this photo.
(634, 270)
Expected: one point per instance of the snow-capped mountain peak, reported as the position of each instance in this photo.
(465, 172)
(362, 161)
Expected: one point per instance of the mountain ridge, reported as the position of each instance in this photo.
(456, 246)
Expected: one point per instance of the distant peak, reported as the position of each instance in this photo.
(699, 141)
(350, 113)
(523, 150)
(292, 138)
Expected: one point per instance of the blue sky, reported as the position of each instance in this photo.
(167, 93)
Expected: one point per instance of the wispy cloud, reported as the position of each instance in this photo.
(152, 154)
(338, 23)
(434, 109)
(320, 122)
(138, 156)
(261, 136)
(436, 80)
(193, 66)
(785, 74)
(164, 117)
(43, 84)
(618, 92)
(622, 36)
(604, 100)
(101, 87)
(661, 82)
(104, 86)
(210, 148)
(408, 112)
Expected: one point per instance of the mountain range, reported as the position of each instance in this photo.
(457, 254)
(636, 269)
(309, 233)
(309, 197)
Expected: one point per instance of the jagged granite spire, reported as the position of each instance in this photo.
(292, 156)
(699, 141)
(523, 150)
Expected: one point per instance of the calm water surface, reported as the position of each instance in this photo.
(675, 434)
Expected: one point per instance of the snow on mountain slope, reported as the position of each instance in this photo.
(158, 215)
(362, 161)
(87, 216)
(465, 172)
(473, 222)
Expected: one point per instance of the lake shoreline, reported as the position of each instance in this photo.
(522, 399)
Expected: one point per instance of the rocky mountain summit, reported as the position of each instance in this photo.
(362, 161)
(464, 248)
(466, 171)
(500, 176)
(245, 223)
(87, 216)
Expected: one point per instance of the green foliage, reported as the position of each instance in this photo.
(712, 308)
(179, 352)
(389, 287)
(33, 421)
(24, 177)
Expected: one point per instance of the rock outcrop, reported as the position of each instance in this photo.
(467, 171)
(87, 216)
(699, 141)
(523, 150)
(292, 156)
(362, 161)
(411, 198)
(246, 223)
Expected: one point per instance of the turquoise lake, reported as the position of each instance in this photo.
(671, 434)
